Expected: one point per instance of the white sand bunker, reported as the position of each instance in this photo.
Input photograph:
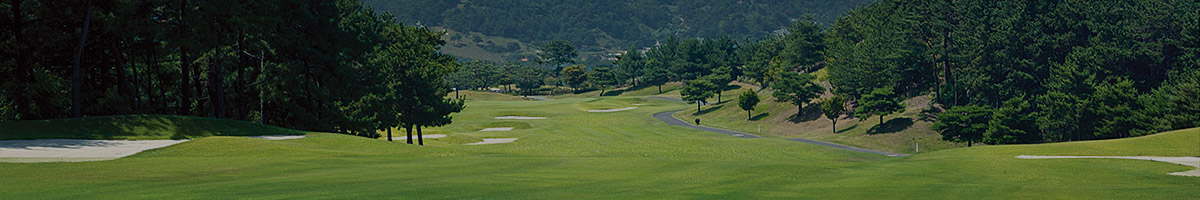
(494, 141)
(498, 129)
(614, 110)
(65, 150)
(279, 137)
(519, 117)
(1189, 161)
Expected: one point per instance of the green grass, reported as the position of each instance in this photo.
(618, 155)
(135, 127)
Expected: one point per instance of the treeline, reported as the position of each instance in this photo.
(1028, 71)
(332, 66)
(613, 24)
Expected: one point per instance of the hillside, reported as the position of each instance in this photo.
(900, 133)
(597, 26)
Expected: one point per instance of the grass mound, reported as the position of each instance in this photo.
(135, 127)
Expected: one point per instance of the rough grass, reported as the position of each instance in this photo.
(619, 155)
(135, 127)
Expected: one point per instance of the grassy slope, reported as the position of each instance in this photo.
(900, 133)
(618, 155)
(135, 127)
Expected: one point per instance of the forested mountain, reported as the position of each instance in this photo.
(615, 23)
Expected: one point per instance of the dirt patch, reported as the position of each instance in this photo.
(1189, 161)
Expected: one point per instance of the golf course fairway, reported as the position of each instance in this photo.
(576, 154)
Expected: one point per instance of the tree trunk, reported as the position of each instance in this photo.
(262, 111)
(697, 106)
(408, 129)
(881, 120)
(801, 108)
(747, 115)
(123, 77)
(420, 138)
(834, 126)
(389, 132)
(660, 88)
(76, 107)
(185, 67)
(718, 96)
(215, 93)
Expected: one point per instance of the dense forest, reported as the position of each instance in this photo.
(1028, 71)
(334, 66)
(613, 24)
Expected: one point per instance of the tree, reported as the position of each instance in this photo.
(1012, 123)
(76, 106)
(527, 78)
(881, 102)
(804, 44)
(557, 53)
(602, 76)
(575, 76)
(796, 88)
(720, 78)
(963, 123)
(656, 74)
(747, 101)
(630, 65)
(833, 107)
(698, 92)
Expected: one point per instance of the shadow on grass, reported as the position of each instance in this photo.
(811, 112)
(760, 116)
(846, 129)
(613, 92)
(708, 110)
(891, 126)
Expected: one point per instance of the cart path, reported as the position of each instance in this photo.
(669, 118)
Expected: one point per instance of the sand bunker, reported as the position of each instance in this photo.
(66, 150)
(519, 117)
(498, 129)
(1189, 161)
(494, 141)
(614, 110)
(279, 137)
